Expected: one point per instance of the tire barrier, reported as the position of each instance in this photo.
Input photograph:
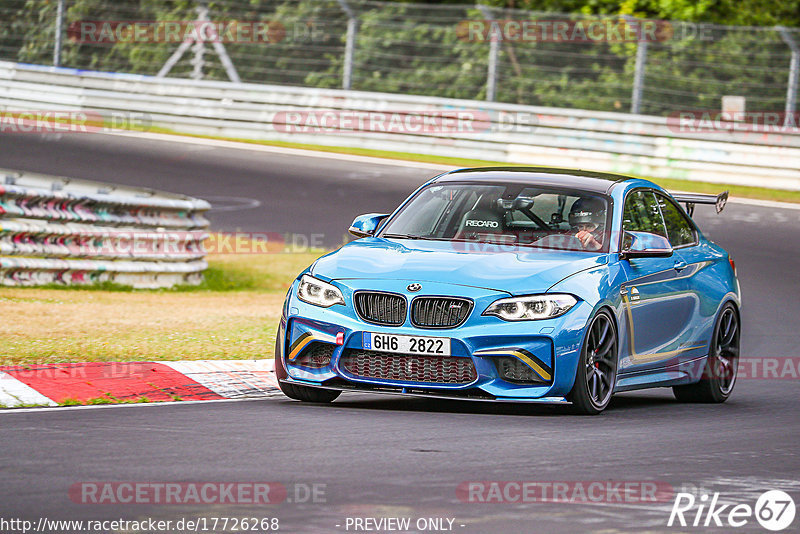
(62, 231)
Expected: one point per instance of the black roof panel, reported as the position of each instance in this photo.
(599, 182)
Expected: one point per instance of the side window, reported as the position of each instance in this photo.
(642, 214)
(679, 229)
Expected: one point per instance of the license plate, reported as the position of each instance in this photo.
(434, 346)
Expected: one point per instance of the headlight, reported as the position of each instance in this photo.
(318, 293)
(531, 308)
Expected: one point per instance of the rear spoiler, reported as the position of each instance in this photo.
(690, 199)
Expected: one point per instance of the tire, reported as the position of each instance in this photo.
(719, 374)
(294, 391)
(597, 369)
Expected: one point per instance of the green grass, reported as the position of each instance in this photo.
(23, 405)
(233, 315)
(99, 286)
(107, 399)
(20, 403)
(219, 279)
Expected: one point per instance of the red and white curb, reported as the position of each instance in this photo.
(96, 382)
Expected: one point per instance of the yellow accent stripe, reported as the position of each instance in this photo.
(662, 355)
(533, 365)
(299, 347)
(529, 362)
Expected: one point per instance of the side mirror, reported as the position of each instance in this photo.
(645, 245)
(365, 225)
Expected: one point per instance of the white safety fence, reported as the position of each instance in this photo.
(63, 231)
(665, 147)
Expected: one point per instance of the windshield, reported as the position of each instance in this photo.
(507, 214)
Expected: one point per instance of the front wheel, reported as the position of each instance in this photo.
(294, 391)
(597, 368)
(719, 374)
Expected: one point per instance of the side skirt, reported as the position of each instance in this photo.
(675, 375)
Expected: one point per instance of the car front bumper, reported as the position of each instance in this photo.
(550, 347)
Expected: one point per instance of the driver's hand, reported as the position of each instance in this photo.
(588, 241)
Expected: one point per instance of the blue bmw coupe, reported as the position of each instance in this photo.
(519, 284)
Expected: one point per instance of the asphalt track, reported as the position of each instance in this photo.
(387, 456)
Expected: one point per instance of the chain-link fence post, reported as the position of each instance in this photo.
(794, 76)
(58, 30)
(638, 74)
(199, 49)
(495, 37)
(198, 61)
(350, 45)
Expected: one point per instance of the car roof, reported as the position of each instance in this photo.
(597, 182)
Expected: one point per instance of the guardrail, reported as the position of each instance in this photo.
(57, 230)
(617, 142)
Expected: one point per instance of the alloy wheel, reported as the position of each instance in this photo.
(601, 359)
(726, 351)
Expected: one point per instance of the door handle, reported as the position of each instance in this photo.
(680, 265)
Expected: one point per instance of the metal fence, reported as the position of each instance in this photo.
(457, 51)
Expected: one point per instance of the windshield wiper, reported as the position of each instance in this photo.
(408, 236)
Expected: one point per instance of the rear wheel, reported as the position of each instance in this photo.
(297, 392)
(597, 368)
(719, 375)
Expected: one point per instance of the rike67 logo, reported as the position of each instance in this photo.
(774, 510)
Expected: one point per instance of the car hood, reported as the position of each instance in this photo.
(517, 271)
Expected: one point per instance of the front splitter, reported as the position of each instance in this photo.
(419, 392)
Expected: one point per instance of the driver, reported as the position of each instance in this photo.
(587, 218)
